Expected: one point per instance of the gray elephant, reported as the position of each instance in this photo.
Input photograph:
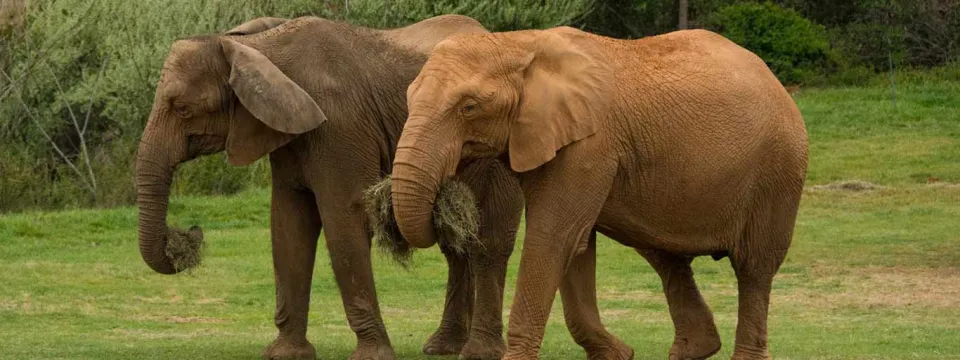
(326, 101)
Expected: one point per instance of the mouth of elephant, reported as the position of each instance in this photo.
(205, 144)
(474, 149)
(456, 220)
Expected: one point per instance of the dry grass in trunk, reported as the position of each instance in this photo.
(456, 219)
(383, 225)
(184, 248)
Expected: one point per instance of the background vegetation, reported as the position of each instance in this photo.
(872, 274)
(78, 76)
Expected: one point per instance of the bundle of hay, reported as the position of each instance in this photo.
(184, 248)
(456, 219)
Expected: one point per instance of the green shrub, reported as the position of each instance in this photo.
(55, 65)
(795, 49)
(496, 15)
(55, 55)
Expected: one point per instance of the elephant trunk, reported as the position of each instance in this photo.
(422, 162)
(155, 167)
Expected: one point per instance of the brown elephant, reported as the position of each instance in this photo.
(326, 101)
(679, 145)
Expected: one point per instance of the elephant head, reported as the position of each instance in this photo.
(523, 95)
(215, 93)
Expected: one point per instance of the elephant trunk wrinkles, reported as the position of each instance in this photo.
(421, 164)
(153, 176)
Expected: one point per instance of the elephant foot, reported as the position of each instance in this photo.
(373, 352)
(483, 347)
(282, 349)
(445, 342)
(616, 351)
(695, 348)
(521, 356)
(750, 353)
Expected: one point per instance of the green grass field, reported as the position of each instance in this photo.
(871, 275)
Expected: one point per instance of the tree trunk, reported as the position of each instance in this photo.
(682, 7)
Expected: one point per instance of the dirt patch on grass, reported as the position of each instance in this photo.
(616, 313)
(194, 320)
(875, 286)
(174, 319)
(847, 185)
(942, 185)
(636, 295)
(210, 301)
(139, 334)
(173, 299)
(9, 305)
(24, 304)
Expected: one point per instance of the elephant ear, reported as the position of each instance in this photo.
(562, 97)
(282, 107)
(254, 26)
(249, 139)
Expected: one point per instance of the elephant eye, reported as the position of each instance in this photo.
(468, 108)
(182, 111)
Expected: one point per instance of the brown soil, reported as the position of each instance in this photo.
(848, 185)
(875, 286)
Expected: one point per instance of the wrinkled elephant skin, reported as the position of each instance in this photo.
(325, 101)
(678, 145)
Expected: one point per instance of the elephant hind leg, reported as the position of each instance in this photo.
(695, 333)
(755, 262)
(349, 249)
(294, 230)
(579, 294)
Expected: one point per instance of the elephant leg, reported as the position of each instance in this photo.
(501, 206)
(579, 294)
(349, 248)
(485, 340)
(564, 199)
(755, 263)
(294, 229)
(457, 308)
(695, 335)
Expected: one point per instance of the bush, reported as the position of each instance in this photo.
(497, 15)
(51, 77)
(795, 48)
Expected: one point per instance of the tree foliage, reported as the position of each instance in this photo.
(792, 46)
(77, 76)
(51, 59)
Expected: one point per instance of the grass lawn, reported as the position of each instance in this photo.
(871, 275)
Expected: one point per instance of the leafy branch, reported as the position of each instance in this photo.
(88, 178)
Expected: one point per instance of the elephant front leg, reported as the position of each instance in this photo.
(294, 229)
(457, 308)
(537, 284)
(579, 293)
(563, 201)
(349, 249)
